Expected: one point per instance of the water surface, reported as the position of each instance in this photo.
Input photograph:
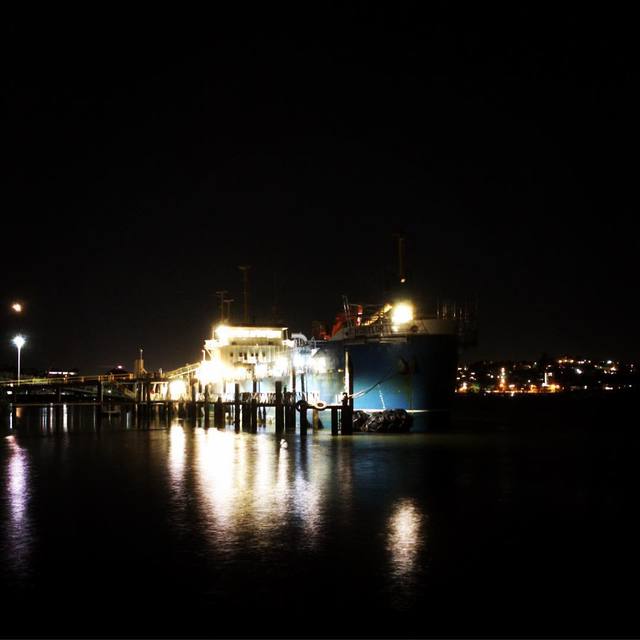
(484, 529)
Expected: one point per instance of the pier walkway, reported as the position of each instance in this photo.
(179, 393)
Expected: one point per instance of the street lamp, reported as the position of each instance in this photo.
(19, 342)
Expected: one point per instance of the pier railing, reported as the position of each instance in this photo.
(118, 377)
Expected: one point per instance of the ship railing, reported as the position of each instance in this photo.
(375, 329)
(268, 398)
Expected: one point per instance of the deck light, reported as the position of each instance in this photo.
(402, 313)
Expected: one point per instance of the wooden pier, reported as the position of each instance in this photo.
(148, 396)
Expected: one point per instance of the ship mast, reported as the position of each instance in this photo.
(245, 285)
(401, 274)
(221, 294)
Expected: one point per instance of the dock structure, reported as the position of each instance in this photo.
(181, 394)
(246, 372)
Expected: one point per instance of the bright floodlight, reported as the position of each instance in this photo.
(177, 389)
(17, 307)
(402, 312)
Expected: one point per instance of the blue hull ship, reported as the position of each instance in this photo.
(388, 360)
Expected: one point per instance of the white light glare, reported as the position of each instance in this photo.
(210, 371)
(177, 389)
(402, 313)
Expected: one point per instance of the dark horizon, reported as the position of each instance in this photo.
(147, 158)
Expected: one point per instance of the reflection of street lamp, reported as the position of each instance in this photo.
(19, 342)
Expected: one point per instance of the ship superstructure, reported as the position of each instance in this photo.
(398, 358)
(245, 354)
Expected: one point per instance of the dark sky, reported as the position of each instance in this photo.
(146, 156)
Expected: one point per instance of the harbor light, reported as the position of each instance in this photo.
(177, 389)
(210, 371)
(19, 341)
(319, 364)
(402, 313)
(299, 361)
(280, 367)
(225, 333)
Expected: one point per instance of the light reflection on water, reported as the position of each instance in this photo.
(307, 497)
(217, 461)
(223, 496)
(177, 452)
(405, 538)
(19, 535)
(251, 484)
(386, 533)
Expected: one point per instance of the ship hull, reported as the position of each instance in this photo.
(416, 373)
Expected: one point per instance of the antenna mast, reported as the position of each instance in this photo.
(245, 283)
(228, 302)
(401, 274)
(221, 294)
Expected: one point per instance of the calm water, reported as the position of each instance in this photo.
(520, 519)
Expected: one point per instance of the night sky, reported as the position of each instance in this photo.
(147, 156)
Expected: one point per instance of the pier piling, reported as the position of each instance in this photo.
(289, 413)
(236, 407)
(254, 415)
(279, 408)
(193, 405)
(246, 415)
(218, 414)
(207, 418)
(346, 417)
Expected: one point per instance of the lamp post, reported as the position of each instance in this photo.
(19, 342)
